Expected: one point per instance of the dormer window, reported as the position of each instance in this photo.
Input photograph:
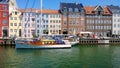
(64, 9)
(93, 12)
(76, 10)
(82, 10)
(88, 11)
(15, 12)
(70, 10)
(99, 12)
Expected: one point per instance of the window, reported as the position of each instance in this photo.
(37, 21)
(5, 7)
(37, 26)
(15, 30)
(46, 26)
(25, 19)
(118, 25)
(37, 31)
(15, 24)
(59, 21)
(65, 22)
(28, 31)
(53, 21)
(19, 24)
(43, 26)
(15, 13)
(70, 10)
(20, 17)
(15, 18)
(46, 21)
(50, 21)
(76, 9)
(11, 18)
(28, 19)
(50, 26)
(46, 16)
(33, 25)
(28, 24)
(53, 26)
(65, 9)
(11, 24)
(11, 30)
(5, 22)
(4, 14)
(33, 19)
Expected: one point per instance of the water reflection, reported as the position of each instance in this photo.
(76, 57)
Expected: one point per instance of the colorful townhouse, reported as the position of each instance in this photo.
(98, 20)
(12, 5)
(15, 23)
(72, 17)
(4, 18)
(28, 23)
(51, 22)
(115, 19)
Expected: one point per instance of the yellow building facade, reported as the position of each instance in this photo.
(15, 23)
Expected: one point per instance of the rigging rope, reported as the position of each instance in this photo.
(22, 18)
(28, 14)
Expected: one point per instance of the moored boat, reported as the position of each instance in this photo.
(43, 44)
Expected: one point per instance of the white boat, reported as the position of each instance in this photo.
(44, 44)
(74, 42)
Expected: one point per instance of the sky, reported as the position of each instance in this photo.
(54, 4)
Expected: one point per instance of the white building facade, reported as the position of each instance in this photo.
(50, 24)
(115, 19)
(28, 23)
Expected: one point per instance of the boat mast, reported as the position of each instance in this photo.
(40, 19)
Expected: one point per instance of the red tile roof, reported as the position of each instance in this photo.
(90, 10)
(47, 11)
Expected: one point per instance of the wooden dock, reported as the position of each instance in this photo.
(7, 42)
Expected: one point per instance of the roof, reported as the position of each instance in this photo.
(79, 6)
(114, 8)
(45, 11)
(48, 11)
(91, 10)
(71, 5)
(27, 10)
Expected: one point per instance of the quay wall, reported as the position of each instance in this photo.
(99, 41)
(7, 42)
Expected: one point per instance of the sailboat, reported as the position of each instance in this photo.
(43, 42)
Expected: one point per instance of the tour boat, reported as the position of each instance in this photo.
(45, 43)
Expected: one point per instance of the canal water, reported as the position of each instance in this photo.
(76, 57)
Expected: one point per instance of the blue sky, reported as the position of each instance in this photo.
(54, 4)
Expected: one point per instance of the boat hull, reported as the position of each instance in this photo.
(18, 45)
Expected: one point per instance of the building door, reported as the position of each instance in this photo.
(65, 31)
(19, 32)
(5, 33)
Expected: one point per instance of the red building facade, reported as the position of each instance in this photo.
(4, 19)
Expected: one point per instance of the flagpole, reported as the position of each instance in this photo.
(40, 19)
